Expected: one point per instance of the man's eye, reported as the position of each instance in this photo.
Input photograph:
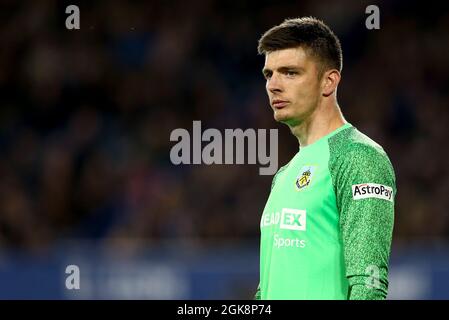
(291, 73)
(267, 76)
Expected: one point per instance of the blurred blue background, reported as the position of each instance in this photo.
(85, 121)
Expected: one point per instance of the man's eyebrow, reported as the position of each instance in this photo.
(291, 67)
(283, 69)
(266, 70)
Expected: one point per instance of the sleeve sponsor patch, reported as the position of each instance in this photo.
(372, 190)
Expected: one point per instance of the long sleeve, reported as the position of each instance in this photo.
(365, 189)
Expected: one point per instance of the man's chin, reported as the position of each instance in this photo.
(281, 117)
(285, 119)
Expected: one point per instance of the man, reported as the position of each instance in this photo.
(327, 225)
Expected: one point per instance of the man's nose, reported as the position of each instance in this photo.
(274, 84)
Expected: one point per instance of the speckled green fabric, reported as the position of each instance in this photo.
(366, 225)
(327, 225)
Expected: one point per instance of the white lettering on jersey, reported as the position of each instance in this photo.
(291, 219)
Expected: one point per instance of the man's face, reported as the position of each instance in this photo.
(292, 84)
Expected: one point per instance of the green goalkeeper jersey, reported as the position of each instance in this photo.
(326, 228)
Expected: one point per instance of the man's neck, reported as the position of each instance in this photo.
(317, 125)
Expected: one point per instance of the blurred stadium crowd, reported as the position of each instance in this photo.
(86, 116)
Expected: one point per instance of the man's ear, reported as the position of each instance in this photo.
(330, 81)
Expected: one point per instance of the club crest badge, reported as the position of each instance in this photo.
(305, 177)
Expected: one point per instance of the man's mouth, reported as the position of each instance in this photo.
(279, 104)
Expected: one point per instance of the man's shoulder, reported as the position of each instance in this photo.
(358, 159)
(352, 145)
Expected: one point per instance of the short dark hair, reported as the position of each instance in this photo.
(313, 35)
